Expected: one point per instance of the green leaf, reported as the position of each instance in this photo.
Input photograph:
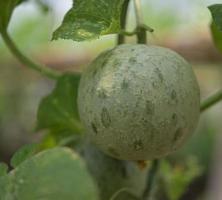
(89, 19)
(6, 10)
(216, 11)
(3, 169)
(217, 36)
(23, 153)
(4, 182)
(54, 174)
(58, 111)
(5, 188)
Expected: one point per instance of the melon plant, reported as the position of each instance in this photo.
(134, 102)
(139, 102)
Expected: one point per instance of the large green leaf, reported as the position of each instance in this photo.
(54, 174)
(5, 188)
(88, 19)
(217, 36)
(216, 11)
(58, 111)
(6, 10)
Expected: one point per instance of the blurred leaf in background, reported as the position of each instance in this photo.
(216, 25)
(216, 12)
(58, 111)
(217, 36)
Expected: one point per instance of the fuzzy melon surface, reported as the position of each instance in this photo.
(139, 102)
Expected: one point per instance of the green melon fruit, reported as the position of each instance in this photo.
(139, 102)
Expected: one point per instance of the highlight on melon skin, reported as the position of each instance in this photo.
(139, 102)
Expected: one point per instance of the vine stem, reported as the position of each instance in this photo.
(141, 30)
(50, 73)
(211, 100)
(121, 37)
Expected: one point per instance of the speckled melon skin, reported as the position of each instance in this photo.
(139, 102)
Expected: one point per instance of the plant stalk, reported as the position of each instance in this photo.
(50, 73)
(141, 31)
(211, 100)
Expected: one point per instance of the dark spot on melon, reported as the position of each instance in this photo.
(174, 95)
(92, 89)
(95, 72)
(178, 134)
(105, 61)
(102, 94)
(149, 107)
(105, 118)
(159, 74)
(113, 152)
(155, 84)
(174, 118)
(148, 127)
(132, 60)
(116, 63)
(124, 84)
(138, 145)
(94, 128)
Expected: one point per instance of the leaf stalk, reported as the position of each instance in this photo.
(211, 100)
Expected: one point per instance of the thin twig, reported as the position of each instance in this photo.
(211, 100)
(50, 73)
